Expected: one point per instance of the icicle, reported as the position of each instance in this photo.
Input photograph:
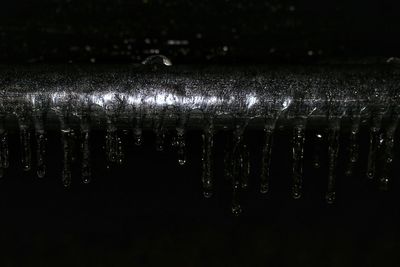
(113, 144)
(244, 166)
(236, 207)
(86, 172)
(160, 139)
(237, 167)
(66, 176)
(374, 137)
(25, 141)
(298, 153)
(353, 146)
(137, 130)
(266, 160)
(333, 148)
(40, 153)
(4, 161)
(159, 131)
(40, 146)
(388, 155)
(181, 146)
(207, 179)
(180, 142)
(228, 159)
(317, 151)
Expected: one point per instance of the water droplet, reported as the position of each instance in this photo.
(157, 60)
(297, 157)
(266, 160)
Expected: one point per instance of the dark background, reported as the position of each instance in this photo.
(207, 31)
(150, 210)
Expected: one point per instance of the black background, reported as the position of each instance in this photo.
(150, 210)
(126, 31)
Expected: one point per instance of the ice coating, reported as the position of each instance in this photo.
(209, 99)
